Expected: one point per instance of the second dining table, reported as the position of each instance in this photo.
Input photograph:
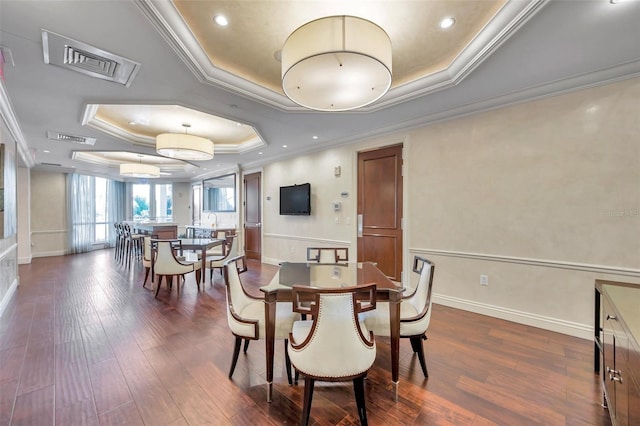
(201, 244)
(331, 276)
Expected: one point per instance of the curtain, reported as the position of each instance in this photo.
(80, 212)
(116, 196)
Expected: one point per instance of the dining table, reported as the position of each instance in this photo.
(201, 244)
(334, 275)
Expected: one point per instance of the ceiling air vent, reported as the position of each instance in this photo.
(77, 56)
(51, 164)
(83, 140)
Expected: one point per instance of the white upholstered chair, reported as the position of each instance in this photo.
(335, 345)
(246, 314)
(327, 254)
(222, 235)
(217, 261)
(166, 264)
(146, 257)
(415, 311)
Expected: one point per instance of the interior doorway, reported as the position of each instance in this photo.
(380, 209)
(252, 216)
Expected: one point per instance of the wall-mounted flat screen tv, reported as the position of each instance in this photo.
(295, 200)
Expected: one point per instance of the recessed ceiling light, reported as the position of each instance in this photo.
(314, 137)
(133, 123)
(284, 146)
(447, 22)
(47, 151)
(260, 153)
(221, 20)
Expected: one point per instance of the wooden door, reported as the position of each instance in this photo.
(252, 216)
(380, 209)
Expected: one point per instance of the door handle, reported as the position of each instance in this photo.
(360, 225)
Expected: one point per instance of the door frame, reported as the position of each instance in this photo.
(242, 219)
(403, 140)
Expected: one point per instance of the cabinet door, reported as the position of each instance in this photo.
(608, 355)
(634, 402)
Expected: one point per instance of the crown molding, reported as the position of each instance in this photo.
(11, 121)
(165, 18)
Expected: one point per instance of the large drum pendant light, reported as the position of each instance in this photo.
(336, 63)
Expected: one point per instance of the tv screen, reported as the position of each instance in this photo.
(295, 199)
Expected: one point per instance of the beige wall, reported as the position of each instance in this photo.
(543, 197)
(24, 215)
(48, 214)
(286, 237)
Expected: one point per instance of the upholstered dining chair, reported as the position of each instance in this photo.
(415, 311)
(335, 345)
(327, 254)
(146, 257)
(217, 261)
(246, 314)
(222, 235)
(166, 264)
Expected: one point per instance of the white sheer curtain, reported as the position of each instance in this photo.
(80, 212)
(116, 205)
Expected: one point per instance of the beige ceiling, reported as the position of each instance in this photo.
(258, 29)
(140, 124)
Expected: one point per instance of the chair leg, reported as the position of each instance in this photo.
(211, 276)
(236, 352)
(358, 388)
(287, 362)
(198, 277)
(308, 397)
(146, 276)
(418, 349)
(246, 345)
(158, 286)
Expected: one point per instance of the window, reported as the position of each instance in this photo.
(152, 201)
(164, 202)
(101, 210)
(140, 203)
(93, 205)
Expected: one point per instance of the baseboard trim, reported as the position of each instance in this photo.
(570, 328)
(50, 253)
(8, 295)
(24, 260)
(585, 267)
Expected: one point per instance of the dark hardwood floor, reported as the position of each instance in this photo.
(82, 343)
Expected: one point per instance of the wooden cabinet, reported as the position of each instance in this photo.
(617, 356)
(163, 231)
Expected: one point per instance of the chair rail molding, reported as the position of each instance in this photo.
(308, 239)
(545, 263)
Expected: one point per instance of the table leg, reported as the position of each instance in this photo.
(204, 262)
(394, 323)
(270, 328)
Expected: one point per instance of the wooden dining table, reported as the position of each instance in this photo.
(331, 276)
(201, 244)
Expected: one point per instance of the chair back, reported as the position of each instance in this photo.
(164, 258)
(237, 297)
(421, 296)
(146, 249)
(327, 254)
(231, 246)
(336, 345)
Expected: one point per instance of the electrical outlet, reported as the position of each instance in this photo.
(484, 279)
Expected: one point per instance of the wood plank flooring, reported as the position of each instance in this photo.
(82, 343)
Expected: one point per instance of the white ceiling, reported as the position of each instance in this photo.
(556, 46)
